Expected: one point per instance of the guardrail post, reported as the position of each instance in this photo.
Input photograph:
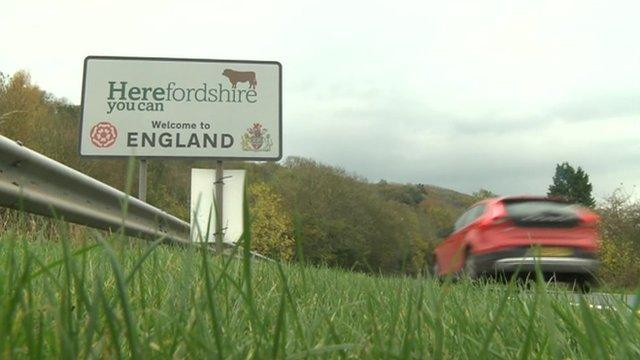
(218, 206)
(142, 180)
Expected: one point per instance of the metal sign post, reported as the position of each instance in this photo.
(219, 184)
(142, 180)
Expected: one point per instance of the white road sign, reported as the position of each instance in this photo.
(156, 107)
(203, 216)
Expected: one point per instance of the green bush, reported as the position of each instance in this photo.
(620, 246)
(271, 224)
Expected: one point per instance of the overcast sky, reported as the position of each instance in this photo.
(460, 94)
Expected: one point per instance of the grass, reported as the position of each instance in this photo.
(110, 297)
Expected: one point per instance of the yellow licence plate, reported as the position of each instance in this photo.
(551, 251)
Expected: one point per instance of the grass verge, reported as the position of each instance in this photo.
(111, 298)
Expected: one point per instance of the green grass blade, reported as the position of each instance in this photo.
(121, 287)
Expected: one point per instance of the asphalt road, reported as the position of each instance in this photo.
(594, 300)
(604, 300)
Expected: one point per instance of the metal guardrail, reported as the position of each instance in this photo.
(31, 182)
(34, 183)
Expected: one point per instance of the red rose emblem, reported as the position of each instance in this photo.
(103, 134)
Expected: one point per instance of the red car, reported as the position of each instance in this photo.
(509, 234)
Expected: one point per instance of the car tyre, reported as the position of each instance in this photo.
(470, 270)
(436, 270)
(583, 285)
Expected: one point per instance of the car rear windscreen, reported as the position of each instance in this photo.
(542, 213)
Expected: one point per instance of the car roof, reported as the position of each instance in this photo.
(519, 197)
(527, 197)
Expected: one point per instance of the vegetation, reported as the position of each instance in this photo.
(620, 229)
(120, 298)
(271, 224)
(483, 194)
(572, 185)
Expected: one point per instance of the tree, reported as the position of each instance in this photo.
(24, 111)
(572, 185)
(620, 239)
(271, 225)
(483, 194)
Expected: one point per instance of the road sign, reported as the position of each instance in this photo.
(160, 107)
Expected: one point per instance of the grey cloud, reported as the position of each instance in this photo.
(411, 143)
(599, 106)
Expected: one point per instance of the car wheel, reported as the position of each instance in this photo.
(436, 270)
(470, 269)
(583, 285)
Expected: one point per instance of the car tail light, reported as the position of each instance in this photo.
(588, 218)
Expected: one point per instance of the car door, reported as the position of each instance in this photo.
(453, 246)
(461, 238)
(447, 250)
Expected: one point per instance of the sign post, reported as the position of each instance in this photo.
(156, 108)
(219, 205)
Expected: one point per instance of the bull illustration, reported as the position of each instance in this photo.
(241, 76)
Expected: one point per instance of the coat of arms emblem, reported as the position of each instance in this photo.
(256, 139)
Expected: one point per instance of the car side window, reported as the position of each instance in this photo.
(456, 226)
(476, 212)
(469, 216)
(462, 221)
(458, 222)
